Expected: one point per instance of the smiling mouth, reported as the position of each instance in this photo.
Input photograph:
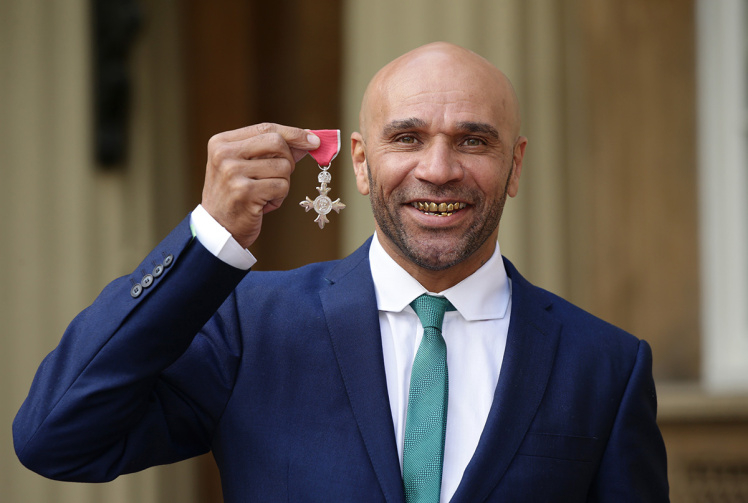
(438, 209)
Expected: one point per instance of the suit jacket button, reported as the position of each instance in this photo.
(136, 290)
(146, 281)
(158, 271)
(168, 260)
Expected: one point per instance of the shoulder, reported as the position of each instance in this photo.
(578, 328)
(310, 277)
(305, 283)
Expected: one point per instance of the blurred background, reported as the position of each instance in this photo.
(632, 202)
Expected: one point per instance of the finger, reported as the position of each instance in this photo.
(266, 146)
(297, 138)
(245, 197)
(257, 169)
(298, 154)
(273, 190)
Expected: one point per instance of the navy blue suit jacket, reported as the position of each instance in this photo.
(285, 383)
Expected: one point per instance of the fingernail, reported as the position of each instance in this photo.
(313, 139)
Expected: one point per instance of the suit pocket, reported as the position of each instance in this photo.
(565, 447)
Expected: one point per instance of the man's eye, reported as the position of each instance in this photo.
(407, 139)
(473, 142)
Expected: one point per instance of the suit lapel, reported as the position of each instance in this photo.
(531, 345)
(350, 308)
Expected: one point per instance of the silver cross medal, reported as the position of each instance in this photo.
(323, 204)
(327, 151)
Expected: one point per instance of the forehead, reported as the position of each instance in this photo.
(441, 93)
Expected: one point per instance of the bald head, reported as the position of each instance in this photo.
(441, 67)
(438, 153)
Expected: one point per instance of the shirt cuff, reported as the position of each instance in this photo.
(218, 241)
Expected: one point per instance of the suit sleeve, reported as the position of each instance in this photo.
(634, 465)
(141, 376)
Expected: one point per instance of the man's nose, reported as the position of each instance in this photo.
(439, 164)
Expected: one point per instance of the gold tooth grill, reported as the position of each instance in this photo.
(444, 209)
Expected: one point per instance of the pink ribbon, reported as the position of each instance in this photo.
(329, 146)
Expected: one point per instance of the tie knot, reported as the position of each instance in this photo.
(430, 310)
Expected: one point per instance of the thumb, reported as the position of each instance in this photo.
(302, 144)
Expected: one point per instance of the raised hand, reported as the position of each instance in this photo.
(248, 174)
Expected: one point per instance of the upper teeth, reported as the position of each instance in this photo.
(444, 209)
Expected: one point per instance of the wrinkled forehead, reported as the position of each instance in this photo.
(437, 86)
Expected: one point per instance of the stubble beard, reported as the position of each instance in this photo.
(438, 251)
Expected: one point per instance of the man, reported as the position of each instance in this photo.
(309, 385)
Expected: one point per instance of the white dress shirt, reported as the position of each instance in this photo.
(218, 241)
(475, 335)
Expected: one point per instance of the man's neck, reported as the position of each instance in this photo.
(439, 280)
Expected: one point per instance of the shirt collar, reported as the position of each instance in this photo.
(483, 295)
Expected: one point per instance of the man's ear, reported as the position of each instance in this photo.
(517, 156)
(358, 156)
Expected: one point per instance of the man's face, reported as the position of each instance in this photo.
(439, 159)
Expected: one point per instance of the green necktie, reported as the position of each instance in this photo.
(426, 422)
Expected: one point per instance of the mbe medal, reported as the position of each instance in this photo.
(328, 149)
